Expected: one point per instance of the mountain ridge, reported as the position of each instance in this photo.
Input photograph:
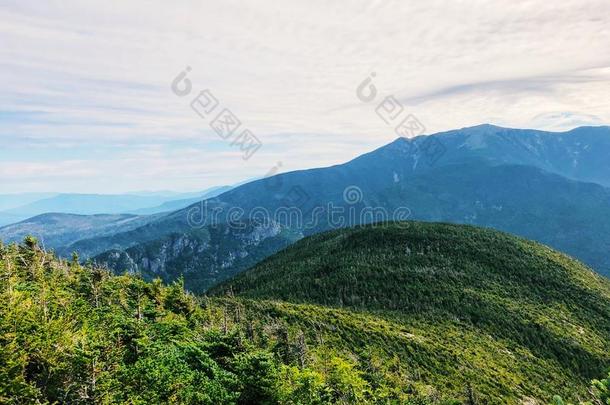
(441, 177)
(398, 174)
(145, 203)
(529, 297)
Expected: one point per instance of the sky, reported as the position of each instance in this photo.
(88, 102)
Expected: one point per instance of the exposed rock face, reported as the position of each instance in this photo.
(204, 256)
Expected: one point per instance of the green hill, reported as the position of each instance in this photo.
(466, 305)
(81, 335)
(406, 313)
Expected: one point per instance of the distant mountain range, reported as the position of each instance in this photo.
(17, 207)
(8, 201)
(551, 187)
(177, 204)
(57, 230)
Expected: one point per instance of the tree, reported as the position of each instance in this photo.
(600, 390)
(258, 376)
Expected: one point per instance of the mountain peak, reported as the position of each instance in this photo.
(486, 130)
(483, 127)
(479, 129)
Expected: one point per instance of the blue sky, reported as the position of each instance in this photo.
(86, 103)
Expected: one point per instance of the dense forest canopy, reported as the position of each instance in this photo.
(72, 333)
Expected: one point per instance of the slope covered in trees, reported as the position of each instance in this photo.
(78, 334)
(74, 334)
(524, 319)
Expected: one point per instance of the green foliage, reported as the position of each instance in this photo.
(464, 306)
(557, 401)
(74, 334)
(345, 383)
(599, 394)
(601, 389)
(302, 386)
(257, 372)
(429, 315)
(180, 373)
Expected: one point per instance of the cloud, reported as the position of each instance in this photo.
(94, 75)
(562, 120)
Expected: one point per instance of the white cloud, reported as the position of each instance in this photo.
(98, 73)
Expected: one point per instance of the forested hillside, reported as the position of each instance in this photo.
(524, 319)
(73, 334)
(79, 334)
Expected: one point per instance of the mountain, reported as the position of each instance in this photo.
(175, 205)
(19, 207)
(6, 219)
(58, 230)
(8, 201)
(578, 154)
(405, 313)
(61, 230)
(512, 180)
(88, 204)
(202, 257)
(523, 200)
(513, 317)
